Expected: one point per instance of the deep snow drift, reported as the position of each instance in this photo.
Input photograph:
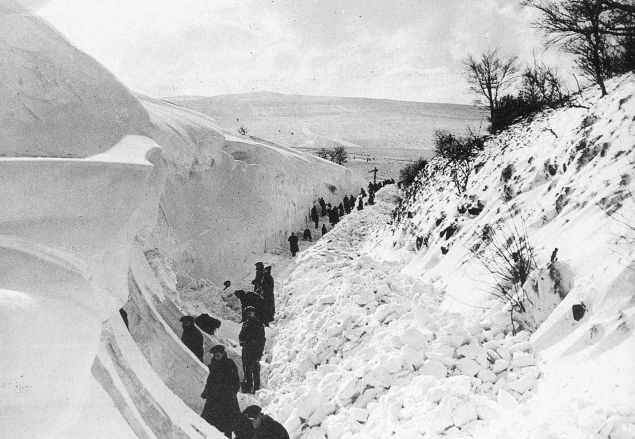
(75, 235)
(229, 198)
(390, 331)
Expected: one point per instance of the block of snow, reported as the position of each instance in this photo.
(320, 413)
(522, 384)
(415, 338)
(434, 368)
(500, 365)
(358, 414)
(464, 414)
(468, 367)
(394, 364)
(523, 359)
(470, 351)
(487, 375)
(506, 400)
(308, 403)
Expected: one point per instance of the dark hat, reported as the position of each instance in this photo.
(187, 319)
(268, 268)
(218, 349)
(260, 264)
(252, 411)
(250, 309)
(227, 283)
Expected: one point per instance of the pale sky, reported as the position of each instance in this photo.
(394, 49)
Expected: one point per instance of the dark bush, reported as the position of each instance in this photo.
(410, 172)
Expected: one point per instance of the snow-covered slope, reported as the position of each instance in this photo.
(327, 121)
(391, 330)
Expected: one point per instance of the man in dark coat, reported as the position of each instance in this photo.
(221, 406)
(314, 216)
(322, 206)
(347, 207)
(307, 235)
(264, 426)
(252, 339)
(324, 230)
(293, 244)
(192, 337)
(250, 298)
(340, 208)
(360, 205)
(268, 300)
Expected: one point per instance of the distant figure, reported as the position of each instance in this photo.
(362, 192)
(264, 426)
(192, 337)
(221, 408)
(124, 317)
(360, 205)
(207, 323)
(322, 205)
(226, 285)
(252, 339)
(260, 267)
(340, 208)
(324, 230)
(293, 244)
(307, 235)
(268, 300)
(314, 216)
(347, 207)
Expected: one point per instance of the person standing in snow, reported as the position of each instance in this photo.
(265, 427)
(221, 406)
(260, 267)
(192, 337)
(307, 235)
(324, 229)
(360, 205)
(314, 216)
(322, 206)
(250, 299)
(252, 339)
(347, 208)
(293, 244)
(341, 209)
(269, 303)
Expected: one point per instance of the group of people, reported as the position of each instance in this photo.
(223, 383)
(221, 403)
(258, 310)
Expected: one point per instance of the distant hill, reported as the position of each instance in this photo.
(320, 121)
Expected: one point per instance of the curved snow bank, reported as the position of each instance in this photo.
(568, 176)
(227, 197)
(56, 101)
(366, 351)
(65, 232)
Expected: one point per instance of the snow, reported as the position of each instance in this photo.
(112, 200)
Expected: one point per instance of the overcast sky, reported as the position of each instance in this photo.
(396, 49)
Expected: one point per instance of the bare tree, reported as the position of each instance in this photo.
(589, 29)
(490, 75)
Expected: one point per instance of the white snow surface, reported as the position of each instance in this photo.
(380, 339)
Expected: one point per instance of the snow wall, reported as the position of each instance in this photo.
(86, 170)
(230, 197)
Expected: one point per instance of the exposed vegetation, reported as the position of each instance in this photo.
(458, 154)
(337, 154)
(410, 172)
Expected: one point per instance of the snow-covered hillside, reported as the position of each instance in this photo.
(390, 328)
